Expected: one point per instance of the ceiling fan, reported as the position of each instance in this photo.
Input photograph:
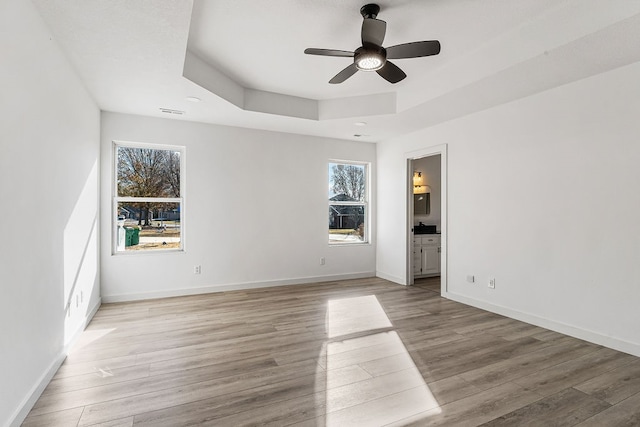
(371, 56)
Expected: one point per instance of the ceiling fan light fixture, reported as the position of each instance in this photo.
(369, 63)
(369, 59)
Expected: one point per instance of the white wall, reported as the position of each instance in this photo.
(49, 144)
(256, 211)
(542, 195)
(430, 168)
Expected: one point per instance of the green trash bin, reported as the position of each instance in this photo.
(128, 237)
(135, 237)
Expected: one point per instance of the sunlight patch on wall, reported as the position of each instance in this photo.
(80, 256)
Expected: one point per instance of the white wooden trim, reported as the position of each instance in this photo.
(235, 287)
(149, 199)
(563, 328)
(21, 412)
(389, 277)
(116, 199)
(366, 203)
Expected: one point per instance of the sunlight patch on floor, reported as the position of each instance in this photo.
(358, 392)
(351, 315)
(88, 337)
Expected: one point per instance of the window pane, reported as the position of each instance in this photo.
(147, 172)
(346, 224)
(144, 226)
(347, 183)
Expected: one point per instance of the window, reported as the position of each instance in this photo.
(148, 203)
(348, 191)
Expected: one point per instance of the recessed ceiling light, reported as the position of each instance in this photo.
(360, 123)
(193, 99)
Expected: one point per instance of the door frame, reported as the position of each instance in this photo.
(410, 157)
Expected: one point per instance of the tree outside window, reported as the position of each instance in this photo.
(347, 203)
(148, 202)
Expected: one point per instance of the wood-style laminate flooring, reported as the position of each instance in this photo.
(428, 283)
(360, 352)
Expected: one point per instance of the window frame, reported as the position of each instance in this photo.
(365, 204)
(128, 199)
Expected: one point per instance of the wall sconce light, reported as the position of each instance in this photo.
(419, 187)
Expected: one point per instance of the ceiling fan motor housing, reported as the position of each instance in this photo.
(370, 10)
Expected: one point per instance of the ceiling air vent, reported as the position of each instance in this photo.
(170, 111)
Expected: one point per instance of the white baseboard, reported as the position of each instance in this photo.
(563, 328)
(234, 287)
(34, 394)
(85, 323)
(391, 278)
(32, 397)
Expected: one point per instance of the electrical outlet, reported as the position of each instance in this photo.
(471, 278)
(197, 269)
(322, 261)
(492, 283)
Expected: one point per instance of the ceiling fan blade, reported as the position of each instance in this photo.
(391, 73)
(373, 31)
(344, 74)
(414, 50)
(328, 52)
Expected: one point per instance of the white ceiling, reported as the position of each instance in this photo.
(245, 60)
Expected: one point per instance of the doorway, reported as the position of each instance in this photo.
(426, 219)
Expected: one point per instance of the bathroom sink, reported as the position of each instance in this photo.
(424, 229)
